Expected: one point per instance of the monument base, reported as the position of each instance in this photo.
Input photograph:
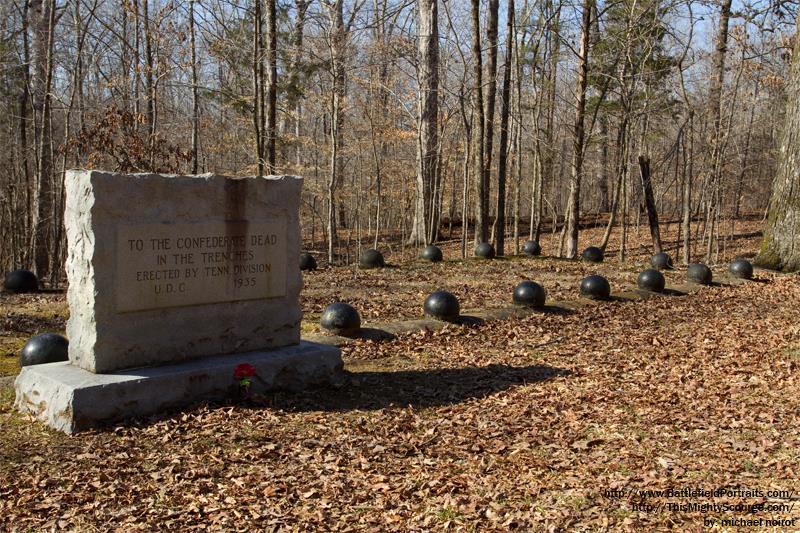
(71, 399)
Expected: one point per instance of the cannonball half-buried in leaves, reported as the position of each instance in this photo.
(44, 348)
(341, 319)
(661, 261)
(307, 262)
(651, 280)
(595, 287)
(442, 305)
(593, 254)
(371, 259)
(529, 294)
(699, 273)
(485, 251)
(741, 268)
(432, 253)
(531, 248)
(21, 281)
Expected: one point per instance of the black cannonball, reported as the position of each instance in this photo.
(741, 268)
(371, 259)
(593, 254)
(699, 273)
(307, 262)
(484, 250)
(21, 281)
(442, 305)
(44, 348)
(341, 319)
(595, 287)
(661, 261)
(532, 248)
(529, 294)
(432, 253)
(651, 280)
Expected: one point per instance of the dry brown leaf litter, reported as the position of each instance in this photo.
(519, 424)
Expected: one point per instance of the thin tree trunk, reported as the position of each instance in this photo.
(500, 224)
(650, 204)
(195, 93)
(43, 25)
(481, 215)
(272, 87)
(573, 221)
(422, 231)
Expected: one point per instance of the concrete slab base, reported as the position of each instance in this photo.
(71, 399)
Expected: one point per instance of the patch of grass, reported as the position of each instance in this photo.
(447, 514)
(9, 365)
(792, 352)
(309, 326)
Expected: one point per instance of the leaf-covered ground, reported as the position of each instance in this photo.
(543, 423)
(398, 291)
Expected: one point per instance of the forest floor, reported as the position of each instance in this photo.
(549, 422)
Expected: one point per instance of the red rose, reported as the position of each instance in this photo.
(244, 371)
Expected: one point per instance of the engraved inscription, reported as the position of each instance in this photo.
(171, 265)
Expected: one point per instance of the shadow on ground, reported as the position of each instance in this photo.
(414, 388)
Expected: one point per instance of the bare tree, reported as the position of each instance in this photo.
(500, 224)
(573, 220)
(428, 121)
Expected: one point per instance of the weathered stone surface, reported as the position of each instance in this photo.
(21, 281)
(44, 348)
(168, 268)
(71, 399)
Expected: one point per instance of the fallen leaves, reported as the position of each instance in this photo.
(518, 424)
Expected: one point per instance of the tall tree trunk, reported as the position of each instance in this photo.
(573, 220)
(500, 224)
(489, 100)
(603, 177)
(272, 86)
(337, 45)
(621, 168)
(428, 126)
(195, 93)
(24, 102)
(780, 248)
(547, 155)
(150, 81)
(715, 102)
(42, 13)
(258, 109)
(649, 202)
(481, 207)
(745, 156)
(294, 93)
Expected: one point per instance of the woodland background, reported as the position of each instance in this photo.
(411, 121)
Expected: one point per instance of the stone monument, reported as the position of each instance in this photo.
(173, 282)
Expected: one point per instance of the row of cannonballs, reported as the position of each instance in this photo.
(343, 319)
